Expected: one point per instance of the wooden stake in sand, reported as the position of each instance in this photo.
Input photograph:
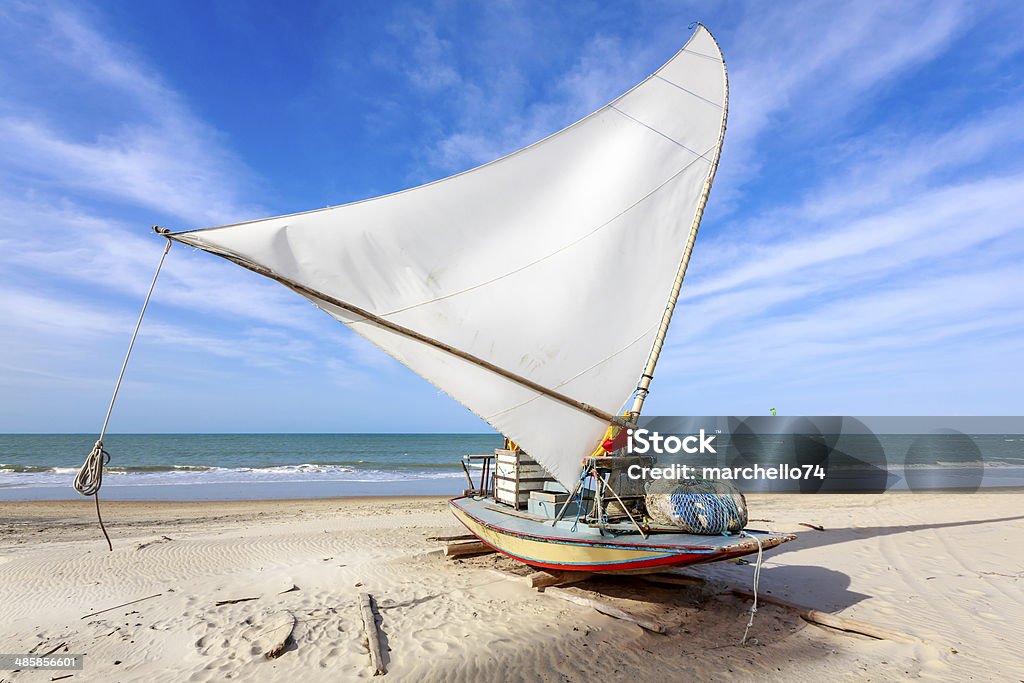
(372, 634)
(831, 620)
(606, 609)
(470, 548)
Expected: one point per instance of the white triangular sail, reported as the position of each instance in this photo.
(553, 264)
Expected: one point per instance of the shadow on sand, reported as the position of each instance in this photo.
(833, 536)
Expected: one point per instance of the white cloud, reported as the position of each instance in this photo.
(918, 288)
(494, 121)
(800, 70)
(149, 150)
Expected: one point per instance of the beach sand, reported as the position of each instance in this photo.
(946, 569)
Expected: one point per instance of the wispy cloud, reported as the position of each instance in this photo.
(885, 278)
(493, 104)
(76, 264)
(801, 70)
(153, 153)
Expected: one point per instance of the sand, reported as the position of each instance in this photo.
(946, 569)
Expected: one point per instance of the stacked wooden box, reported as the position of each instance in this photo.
(515, 476)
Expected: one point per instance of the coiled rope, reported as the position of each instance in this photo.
(90, 476)
(757, 579)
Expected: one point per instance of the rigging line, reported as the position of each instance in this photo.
(652, 128)
(688, 91)
(90, 476)
(555, 252)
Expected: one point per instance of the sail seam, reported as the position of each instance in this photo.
(655, 130)
(701, 54)
(553, 253)
(688, 91)
(577, 375)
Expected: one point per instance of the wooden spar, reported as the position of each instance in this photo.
(644, 385)
(405, 331)
(466, 470)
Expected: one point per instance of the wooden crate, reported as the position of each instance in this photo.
(515, 475)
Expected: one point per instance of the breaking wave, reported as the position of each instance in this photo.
(36, 476)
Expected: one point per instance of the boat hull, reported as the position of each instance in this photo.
(539, 543)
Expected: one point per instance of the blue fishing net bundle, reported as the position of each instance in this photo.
(696, 505)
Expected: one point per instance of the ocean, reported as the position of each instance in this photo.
(259, 466)
(241, 466)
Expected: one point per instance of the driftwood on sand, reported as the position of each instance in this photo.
(830, 620)
(123, 604)
(606, 609)
(268, 633)
(281, 626)
(599, 605)
(235, 601)
(372, 633)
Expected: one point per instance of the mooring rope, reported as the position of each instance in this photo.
(90, 477)
(757, 579)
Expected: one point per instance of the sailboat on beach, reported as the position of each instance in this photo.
(536, 290)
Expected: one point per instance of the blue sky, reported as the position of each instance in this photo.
(861, 253)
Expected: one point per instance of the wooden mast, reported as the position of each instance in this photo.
(644, 385)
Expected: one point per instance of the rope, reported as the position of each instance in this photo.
(757, 579)
(90, 476)
(579, 500)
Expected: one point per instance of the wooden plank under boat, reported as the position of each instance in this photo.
(535, 541)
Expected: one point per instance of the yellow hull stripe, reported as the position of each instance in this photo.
(553, 552)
